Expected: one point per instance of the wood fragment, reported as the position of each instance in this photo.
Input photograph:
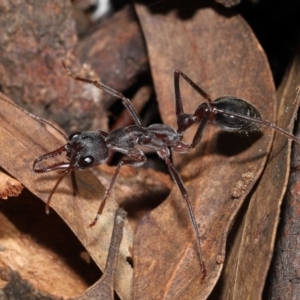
(9, 187)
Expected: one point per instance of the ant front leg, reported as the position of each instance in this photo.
(126, 102)
(137, 159)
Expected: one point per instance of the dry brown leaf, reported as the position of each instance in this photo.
(30, 139)
(9, 187)
(282, 280)
(220, 53)
(253, 243)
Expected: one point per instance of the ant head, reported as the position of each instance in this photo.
(83, 150)
(86, 149)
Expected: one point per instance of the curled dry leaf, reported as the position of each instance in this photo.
(9, 187)
(104, 288)
(220, 53)
(30, 139)
(282, 281)
(252, 244)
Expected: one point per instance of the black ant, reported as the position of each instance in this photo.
(91, 148)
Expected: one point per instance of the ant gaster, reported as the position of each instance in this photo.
(91, 148)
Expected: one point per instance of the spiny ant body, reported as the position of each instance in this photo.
(91, 148)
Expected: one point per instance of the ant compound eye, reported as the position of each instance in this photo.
(74, 135)
(87, 161)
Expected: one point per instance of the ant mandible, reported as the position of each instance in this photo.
(91, 148)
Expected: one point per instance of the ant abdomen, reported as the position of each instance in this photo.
(231, 113)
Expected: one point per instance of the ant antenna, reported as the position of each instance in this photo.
(35, 117)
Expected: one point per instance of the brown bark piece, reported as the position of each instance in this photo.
(9, 187)
(30, 139)
(18, 288)
(220, 53)
(36, 36)
(44, 269)
(117, 53)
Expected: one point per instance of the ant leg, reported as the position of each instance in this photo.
(163, 153)
(126, 102)
(184, 121)
(137, 159)
(177, 74)
(74, 183)
(202, 113)
(178, 98)
(47, 208)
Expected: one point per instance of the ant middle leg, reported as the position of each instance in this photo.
(137, 159)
